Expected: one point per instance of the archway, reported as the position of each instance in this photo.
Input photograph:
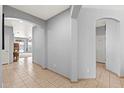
(22, 37)
(107, 45)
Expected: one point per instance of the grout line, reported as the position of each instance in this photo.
(109, 79)
(19, 72)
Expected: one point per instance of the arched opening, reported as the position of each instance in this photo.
(22, 32)
(21, 38)
(107, 46)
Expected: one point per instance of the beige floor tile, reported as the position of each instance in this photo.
(25, 74)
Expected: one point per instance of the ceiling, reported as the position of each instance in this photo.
(44, 12)
(21, 28)
(14, 21)
(110, 7)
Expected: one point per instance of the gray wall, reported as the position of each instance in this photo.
(38, 45)
(59, 43)
(0, 45)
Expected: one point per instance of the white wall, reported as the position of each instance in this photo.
(74, 53)
(101, 44)
(0, 45)
(38, 45)
(113, 46)
(74, 11)
(9, 42)
(87, 39)
(59, 43)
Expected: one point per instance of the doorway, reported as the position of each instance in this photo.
(107, 45)
(22, 37)
(100, 47)
(24, 46)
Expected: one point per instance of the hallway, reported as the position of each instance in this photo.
(25, 74)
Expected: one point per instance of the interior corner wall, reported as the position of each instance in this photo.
(74, 11)
(38, 45)
(59, 43)
(87, 39)
(0, 45)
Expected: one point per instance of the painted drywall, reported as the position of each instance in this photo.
(113, 46)
(38, 44)
(73, 64)
(87, 39)
(59, 43)
(101, 44)
(9, 42)
(0, 45)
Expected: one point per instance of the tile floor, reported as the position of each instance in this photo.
(25, 74)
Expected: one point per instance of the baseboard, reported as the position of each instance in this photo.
(46, 68)
(74, 81)
(58, 73)
(100, 62)
(113, 72)
(86, 79)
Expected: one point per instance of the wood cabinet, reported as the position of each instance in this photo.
(16, 52)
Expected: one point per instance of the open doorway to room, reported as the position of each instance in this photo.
(107, 46)
(22, 38)
(100, 45)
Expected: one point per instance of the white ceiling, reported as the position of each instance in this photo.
(21, 28)
(14, 21)
(110, 7)
(42, 11)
